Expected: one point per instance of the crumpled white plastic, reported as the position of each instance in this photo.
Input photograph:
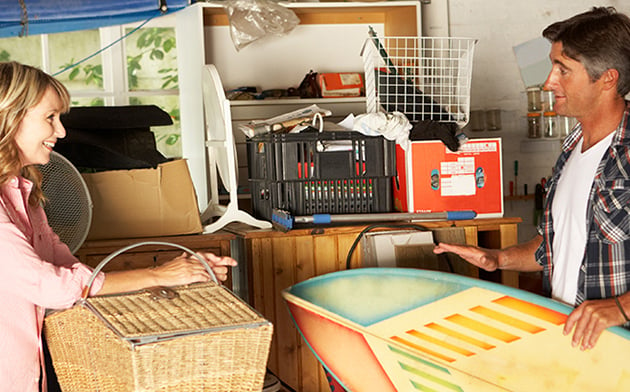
(392, 126)
(251, 20)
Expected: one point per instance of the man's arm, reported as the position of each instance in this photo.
(518, 257)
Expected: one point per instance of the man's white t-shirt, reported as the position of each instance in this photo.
(569, 218)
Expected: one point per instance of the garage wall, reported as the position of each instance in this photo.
(499, 25)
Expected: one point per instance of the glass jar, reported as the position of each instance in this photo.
(565, 125)
(534, 125)
(477, 120)
(550, 124)
(493, 119)
(534, 99)
(549, 100)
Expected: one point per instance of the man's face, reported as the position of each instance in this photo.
(576, 95)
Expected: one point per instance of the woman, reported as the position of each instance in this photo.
(38, 271)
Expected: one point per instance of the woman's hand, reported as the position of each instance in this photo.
(220, 265)
(186, 269)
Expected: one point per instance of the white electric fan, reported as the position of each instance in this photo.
(221, 156)
(68, 206)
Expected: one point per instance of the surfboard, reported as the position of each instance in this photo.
(396, 329)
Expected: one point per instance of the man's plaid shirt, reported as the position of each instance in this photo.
(605, 268)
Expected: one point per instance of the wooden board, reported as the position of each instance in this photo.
(407, 329)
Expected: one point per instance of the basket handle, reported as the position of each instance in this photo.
(112, 255)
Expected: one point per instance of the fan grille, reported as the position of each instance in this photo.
(68, 206)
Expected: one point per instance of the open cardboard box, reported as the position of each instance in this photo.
(143, 202)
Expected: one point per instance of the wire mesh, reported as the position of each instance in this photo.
(68, 206)
(426, 78)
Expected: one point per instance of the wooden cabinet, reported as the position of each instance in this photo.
(277, 260)
(203, 37)
(93, 252)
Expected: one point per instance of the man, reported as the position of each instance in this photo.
(583, 245)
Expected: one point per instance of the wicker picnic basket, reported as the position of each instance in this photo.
(199, 337)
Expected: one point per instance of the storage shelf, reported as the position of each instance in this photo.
(299, 101)
(403, 13)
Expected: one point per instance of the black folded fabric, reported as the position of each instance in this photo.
(399, 94)
(433, 130)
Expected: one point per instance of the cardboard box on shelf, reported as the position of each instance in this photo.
(143, 202)
(431, 178)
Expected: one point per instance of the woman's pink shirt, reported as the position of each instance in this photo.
(37, 272)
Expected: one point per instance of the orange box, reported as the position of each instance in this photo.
(432, 178)
(340, 84)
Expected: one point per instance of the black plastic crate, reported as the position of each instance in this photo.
(320, 172)
(319, 155)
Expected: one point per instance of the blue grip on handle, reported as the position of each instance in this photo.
(321, 218)
(460, 215)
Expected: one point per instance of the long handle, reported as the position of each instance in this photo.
(382, 51)
(328, 218)
(107, 259)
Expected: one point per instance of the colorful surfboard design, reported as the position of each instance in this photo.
(393, 329)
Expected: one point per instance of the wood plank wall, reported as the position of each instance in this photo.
(277, 263)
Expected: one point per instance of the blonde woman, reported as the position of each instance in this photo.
(38, 271)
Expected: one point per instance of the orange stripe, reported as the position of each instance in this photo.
(531, 309)
(506, 319)
(423, 349)
(482, 328)
(460, 336)
(439, 342)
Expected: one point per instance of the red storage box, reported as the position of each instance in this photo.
(432, 178)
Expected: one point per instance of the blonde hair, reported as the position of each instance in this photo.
(21, 88)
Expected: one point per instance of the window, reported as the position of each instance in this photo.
(120, 65)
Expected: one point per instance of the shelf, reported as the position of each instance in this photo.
(203, 37)
(399, 17)
(298, 101)
(245, 110)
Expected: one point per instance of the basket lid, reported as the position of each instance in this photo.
(185, 310)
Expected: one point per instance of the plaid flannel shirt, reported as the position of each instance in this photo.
(605, 268)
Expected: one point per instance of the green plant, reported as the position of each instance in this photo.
(155, 43)
(93, 73)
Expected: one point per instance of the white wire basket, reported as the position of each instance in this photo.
(426, 78)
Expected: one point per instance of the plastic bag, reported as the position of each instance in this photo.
(251, 20)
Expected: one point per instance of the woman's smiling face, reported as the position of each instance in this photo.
(40, 129)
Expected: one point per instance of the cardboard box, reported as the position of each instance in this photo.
(431, 178)
(143, 202)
